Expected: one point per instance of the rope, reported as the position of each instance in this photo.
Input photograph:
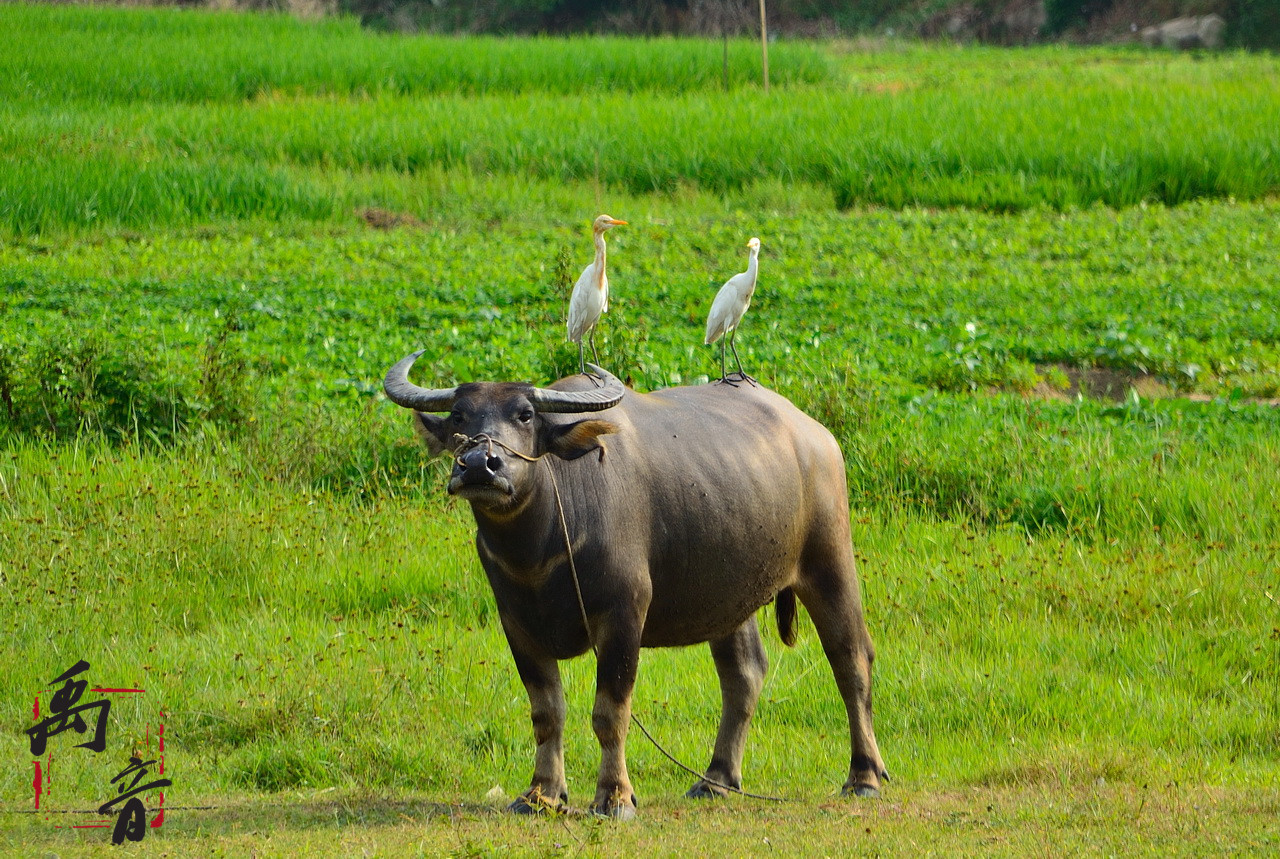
(465, 443)
(573, 568)
(703, 776)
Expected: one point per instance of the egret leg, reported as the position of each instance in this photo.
(741, 373)
(582, 361)
(596, 358)
(724, 375)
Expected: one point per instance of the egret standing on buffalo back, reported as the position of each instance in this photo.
(590, 296)
(730, 305)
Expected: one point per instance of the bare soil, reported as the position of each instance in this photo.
(1111, 385)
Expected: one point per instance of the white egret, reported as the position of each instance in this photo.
(590, 296)
(730, 304)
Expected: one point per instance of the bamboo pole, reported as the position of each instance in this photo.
(764, 46)
(724, 67)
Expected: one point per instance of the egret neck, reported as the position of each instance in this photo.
(600, 276)
(753, 269)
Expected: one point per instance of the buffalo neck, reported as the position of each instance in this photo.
(534, 522)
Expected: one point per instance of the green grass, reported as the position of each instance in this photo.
(297, 643)
(201, 492)
(173, 55)
(193, 116)
(870, 301)
(1062, 592)
(1154, 820)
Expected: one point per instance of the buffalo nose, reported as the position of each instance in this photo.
(480, 461)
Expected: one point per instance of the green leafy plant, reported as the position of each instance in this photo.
(970, 359)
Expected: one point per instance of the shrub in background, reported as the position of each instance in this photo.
(1064, 15)
(59, 384)
(1253, 23)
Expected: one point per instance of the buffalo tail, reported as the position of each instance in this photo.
(784, 608)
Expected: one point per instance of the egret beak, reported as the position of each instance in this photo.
(615, 222)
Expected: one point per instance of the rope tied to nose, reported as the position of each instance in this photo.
(465, 443)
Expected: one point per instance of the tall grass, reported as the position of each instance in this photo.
(171, 55)
(1099, 474)
(1059, 147)
(1065, 132)
(299, 641)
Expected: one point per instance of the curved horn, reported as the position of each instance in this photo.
(402, 392)
(596, 400)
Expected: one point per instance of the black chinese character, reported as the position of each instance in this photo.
(138, 768)
(64, 715)
(132, 820)
(132, 823)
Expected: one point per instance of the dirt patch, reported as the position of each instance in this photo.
(1098, 383)
(1110, 385)
(890, 87)
(385, 219)
(1209, 398)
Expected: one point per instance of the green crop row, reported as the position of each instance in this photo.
(1186, 293)
(920, 128)
(63, 53)
(872, 323)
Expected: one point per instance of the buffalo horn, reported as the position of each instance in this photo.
(402, 392)
(594, 400)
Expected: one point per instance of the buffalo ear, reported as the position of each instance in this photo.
(571, 441)
(433, 431)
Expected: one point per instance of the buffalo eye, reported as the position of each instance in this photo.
(456, 417)
(526, 416)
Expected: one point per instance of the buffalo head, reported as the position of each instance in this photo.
(497, 430)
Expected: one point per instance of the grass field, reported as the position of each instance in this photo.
(203, 494)
(209, 117)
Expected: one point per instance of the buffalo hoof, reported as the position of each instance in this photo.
(536, 802)
(615, 811)
(705, 790)
(864, 791)
(615, 808)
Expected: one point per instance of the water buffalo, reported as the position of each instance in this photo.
(687, 510)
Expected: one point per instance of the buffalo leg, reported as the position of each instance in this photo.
(548, 790)
(741, 664)
(618, 658)
(834, 603)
